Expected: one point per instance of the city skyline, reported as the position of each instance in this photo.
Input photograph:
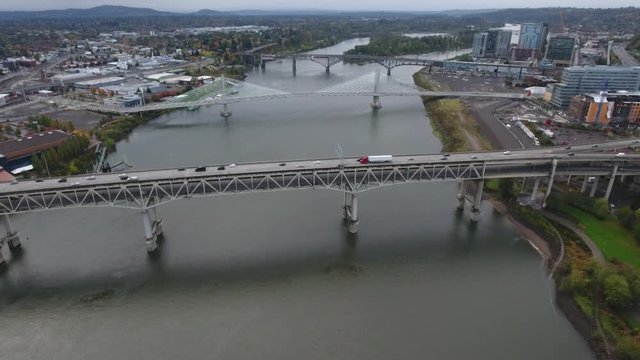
(340, 5)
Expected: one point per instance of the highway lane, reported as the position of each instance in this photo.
(543, 155)
(624, 56)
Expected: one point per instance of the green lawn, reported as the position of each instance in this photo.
(612, 239)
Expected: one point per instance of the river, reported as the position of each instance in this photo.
(276, 275)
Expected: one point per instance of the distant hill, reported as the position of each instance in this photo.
(607, 20)
(106, 11)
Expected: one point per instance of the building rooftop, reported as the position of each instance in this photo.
(603, 68)
(159, 76)
(13, 149)
(96, 82)
(5, 176)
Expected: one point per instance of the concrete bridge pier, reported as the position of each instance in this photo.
(477, 201)
(328, 69)
(12, 237)
(346, 205)
(461, 195)
(225, 113)
(152, 229)
(376, 99)
(594, 187)
(534, 192)
(612, 179)
(554, 165)
(353, 213)
(376, 104)
(293, 66)
(584, 184)
(569, 180)
(389, 71)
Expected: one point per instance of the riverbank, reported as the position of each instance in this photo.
(458, 130)
(451, 121)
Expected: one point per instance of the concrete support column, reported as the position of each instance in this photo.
(569, 180)
(554, 165)
(12, 237)
(376, 104)
(263, 64)
(389, 71)
(376, 99)
(611, 181)
(477, 201)
(584, 184)
(594, 187)
(353, 221)
(461, 195)
(225, 113)
(293, 66)
(524, 186)
(149, 234)
(346, 205)
(157, 222)
(534, 192)
(327, 69)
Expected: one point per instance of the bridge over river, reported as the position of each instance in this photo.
(223, 91)
(388, 62)
(145, 191)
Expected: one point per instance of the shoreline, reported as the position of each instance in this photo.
(552, 252)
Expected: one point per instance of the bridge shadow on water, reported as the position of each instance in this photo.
(157, 274)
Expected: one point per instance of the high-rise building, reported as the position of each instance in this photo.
(579, 80)
(493, 43)
(533, 36)
(560, 50)
(479, 44)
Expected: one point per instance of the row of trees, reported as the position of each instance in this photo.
(41, 122)
(387, 45)
(70, 157)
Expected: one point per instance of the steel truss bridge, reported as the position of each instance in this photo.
(388, 62)
(146, 190)
(223, 92)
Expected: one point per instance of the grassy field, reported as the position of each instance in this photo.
(612, 239)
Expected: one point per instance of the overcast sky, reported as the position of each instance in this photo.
(401, 5)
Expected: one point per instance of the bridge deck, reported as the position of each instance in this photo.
(154, 187)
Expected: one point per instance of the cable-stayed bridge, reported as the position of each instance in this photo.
(223, 91)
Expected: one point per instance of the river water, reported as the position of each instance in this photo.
(276, 275)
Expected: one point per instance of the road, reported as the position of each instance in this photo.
(626, 58)
(491, 128)
(497, 158)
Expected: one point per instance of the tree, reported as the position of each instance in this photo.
(506, 188)
(627, 348)
(576, 282)
(616, 291)
(626, 216)
(601, 208)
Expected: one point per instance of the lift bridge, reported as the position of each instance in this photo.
(223, 92)
(145, 191)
